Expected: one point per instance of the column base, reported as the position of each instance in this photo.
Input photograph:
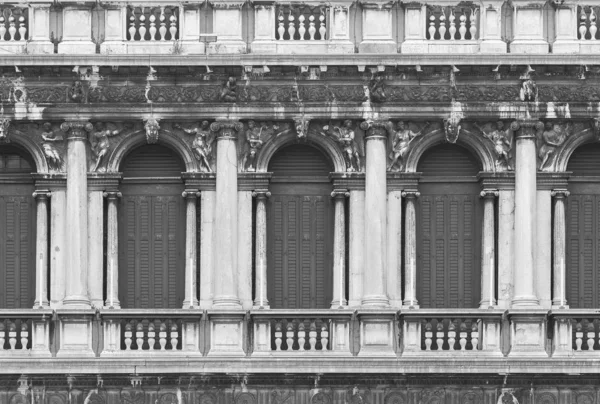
(226, 333)
(374, 46)
(227, 302)
(376, 300)
(336, 304)
(190, 305)
(565, 46)
(525, 301)
(488, 304)
(77, 47)
(75, 333)
(377, 335)
(43, 305)
(115, 305)
(538, 47)
(76, 302)
(226, 47)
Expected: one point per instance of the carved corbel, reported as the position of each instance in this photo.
(152, 127)
(4, 125)
(452, 127)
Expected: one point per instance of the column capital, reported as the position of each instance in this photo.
(411, 194)
(378, 129)
(527, 128)
(42, 194)
(340, 193)
(112, 195)
(191, 194)
(226, 129)
(261, 194)
(560, 193)
(76, 129)
(489, 193)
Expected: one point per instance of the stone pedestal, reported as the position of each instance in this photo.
(226, 333)
(77, 28)
(529, 27)
(75, 328)
(377, 333)
(39, 29)
(527, 333)
(563, 335)
(228, 26)
(491, 27)
(565, 25)
(377, 27)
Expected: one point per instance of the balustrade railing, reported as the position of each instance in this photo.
(24, 331)
(13, 24)
(586, 334)
(587, 28)
(153, 23)
(451, 334)
(303, 22)
(15, 334)
(300, 334)
(448, 23)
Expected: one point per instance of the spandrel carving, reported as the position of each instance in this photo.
(345, 135)
(256, 134)
(51, 139)
(503, 140)
(100, 141)
(202, 145)
(402, 136)
(4, 125)
(551, 140)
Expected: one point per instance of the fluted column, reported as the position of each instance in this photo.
(525, 203)
(191, 296)
(41, 249)
(260, 284)
(339, 249)
(559, 295)
(226, 226)
(374, 287)
(112, 250)
(488, 250)
(77, 210)
(410, 249)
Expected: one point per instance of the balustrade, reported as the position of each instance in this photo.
(13, 24)
(447, 23)
(15, 334)
(451, 334)
(586, 334)
(587, 27)
(23, 332)
(299, 23)
(153, 23)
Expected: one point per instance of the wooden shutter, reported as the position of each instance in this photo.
(17, 230)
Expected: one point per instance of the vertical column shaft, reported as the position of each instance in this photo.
(394, 247)
(95, 247)
(357, 245)
(506, 232)
(260, 285)
(244, 249)
(374, 288)
(559, 297)
(112, 250)
(525, 198)
(191, 299)
(226, 226)
(207, 237)
(488, 251)
(77, 210)
(410, 249)
(58, 210)
(41, 249)
(339, 249)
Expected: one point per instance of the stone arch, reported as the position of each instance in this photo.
(122, 149)
(477, 145)
(572, 143)
(33, 149)
(326, 145)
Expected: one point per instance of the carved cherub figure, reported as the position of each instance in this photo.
(377, 90)
(253, 137)
(529, 90)
(229, 91)
(52, 154)
(503, 142)
(553, 137)
(401, 138)
(4, 124)
(202, 144)
(99, 141)
(344, 135)
(76, 92)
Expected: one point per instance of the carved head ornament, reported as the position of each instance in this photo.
(152, 127)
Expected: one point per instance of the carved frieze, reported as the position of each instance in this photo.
(502, 138)
(402, 134)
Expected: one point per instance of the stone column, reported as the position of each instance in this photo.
(559, 295)
(357, 245)
(191, 298)
(339, 249)
(525, 207)
(374, 288)
(77, 208)
(244, 248)
(41, 250)
(410, 249)
(506, 239)
(95, 262)
(394, 247)
(226, 226)
(488, 250)
(58, 213)
(207, 246)
(260, 285)
(112, 250)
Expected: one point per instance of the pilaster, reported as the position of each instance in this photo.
(191, 300)
(77, 27)
(529, 27)
(488, 250)
(339, 249)
(228, 25)
(377, 27)
(41, 249)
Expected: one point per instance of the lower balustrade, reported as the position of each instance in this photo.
(25, 332)
(452, 331)
(295, 332)
(150, 332)
(576, 332)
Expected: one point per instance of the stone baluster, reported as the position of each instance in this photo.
(428, 335)
(312, 336)
(291, 25)
(152, 30)
(163, 25)
(452, 335)
(24, 335)
(128, 336)
(525, 203)
(278, 335)
(301, 27)
(452, 29)
(488, 250)
(312, 29)
(139, 336)
(463, 26)
(463, 335)
(559, 298)
(578, 336)
(474, 335)
(2, 334)
(112, 250)
(432, 29)
(289, 336)
(2, 28)
(142, 25)
(260, 285)
(281, 27)
(41, 249)
(322, 27)
(12, 335)
(582, 23)
(440, 335)
(162, 336)
(442, 25)
(324, 336)
(173, 25)
(374, 287)
(77, 208)
(410, 249)
(12, 30)
(226, 226)
(473, 24)
(191, 295)
(593, 27)
(590, 335)
(151, 335)
(22, 29)
(301, 336)
(339, 249)
(132, 26)
(174, 336)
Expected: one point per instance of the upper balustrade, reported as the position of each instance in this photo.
(305, 27)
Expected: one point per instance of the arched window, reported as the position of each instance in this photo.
(17, 229)
(449, 230)
(152, 229)
(583, 228)
(300, 229)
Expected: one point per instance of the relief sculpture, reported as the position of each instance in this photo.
(100, 144)
(4, 125)
(552, 138)
(402, 137)
(255, 136)
(503, 144)
(51, 152)
(202, 146)
(344, 135)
